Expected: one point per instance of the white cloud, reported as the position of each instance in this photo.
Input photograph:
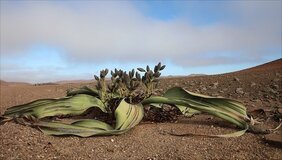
(105, 31)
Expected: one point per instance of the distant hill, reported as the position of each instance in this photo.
(273, 65)
(12, 83)
(3, 82)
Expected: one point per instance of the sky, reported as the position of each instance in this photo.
(47, 41)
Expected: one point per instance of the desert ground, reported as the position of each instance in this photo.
(259, 88)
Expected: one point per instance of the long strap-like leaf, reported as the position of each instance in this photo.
(75, 105)
(227, 109)
(229, 135)
(83, 90)
(127, 116)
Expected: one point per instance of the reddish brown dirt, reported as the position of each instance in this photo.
(260, 89)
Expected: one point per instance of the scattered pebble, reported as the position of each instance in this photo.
(276, 80)
(236, 79)
(270, 90)
(278, 74)
(239, 91)
(214, 85)
(214, 95)
(274, 86)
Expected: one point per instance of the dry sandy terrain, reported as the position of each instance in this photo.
(257, 88)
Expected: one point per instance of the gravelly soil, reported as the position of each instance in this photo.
(257, 88)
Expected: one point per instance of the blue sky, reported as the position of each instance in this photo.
(43, 41)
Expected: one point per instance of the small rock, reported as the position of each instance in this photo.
(276, 80)
(204, 88)
(214, 95)
(110, 150)
(155, 93)
(265, 96)
(271, 90)
(274, 86)
(112, 140)
(279, 110)
(236, 79)
(159, 90)
(166, 107)
(192, 84)
(239, 91)
(214, 85)
(253, 84)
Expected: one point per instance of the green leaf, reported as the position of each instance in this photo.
(227, 109)
(77, 128)
(212, 105)
(229, 135)
(84, 90)
(186, 111)
(75, 105)
(127, 116)
(94, 124)
(26, 107)
(157, 105)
